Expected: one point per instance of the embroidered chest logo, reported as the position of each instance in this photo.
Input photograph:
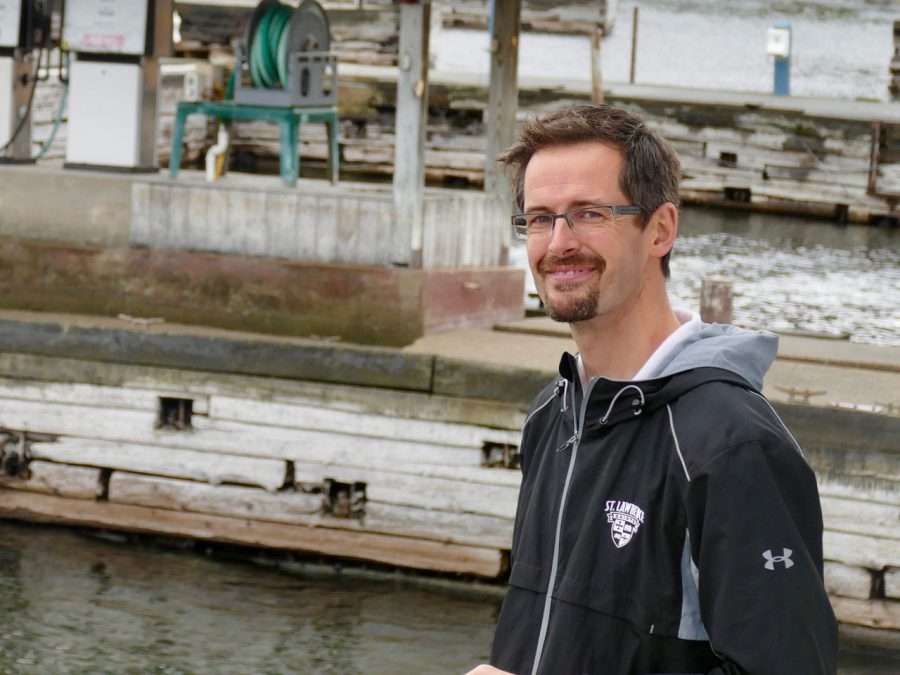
(624, 519)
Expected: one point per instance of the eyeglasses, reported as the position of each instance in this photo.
(583, 220)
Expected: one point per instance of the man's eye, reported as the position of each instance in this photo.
(541, 220)
(590, 215)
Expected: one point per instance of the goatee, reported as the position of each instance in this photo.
(581, 308)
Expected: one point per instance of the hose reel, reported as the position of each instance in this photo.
(285, 58)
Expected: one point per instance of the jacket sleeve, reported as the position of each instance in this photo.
(756, 537)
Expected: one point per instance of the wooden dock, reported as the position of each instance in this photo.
(405, 458)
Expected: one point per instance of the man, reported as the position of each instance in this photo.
(667, 520)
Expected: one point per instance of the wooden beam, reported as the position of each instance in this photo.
(63, 480)
(883, 614)
(301, 508)
(268, 474)
(503, 102)
(410, 123)
(391, 550)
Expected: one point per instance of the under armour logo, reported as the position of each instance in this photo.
(783, 558)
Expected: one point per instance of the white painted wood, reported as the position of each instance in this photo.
(892, 583)
(411, 119)
(861, 517)
(326, 447)
(861, 550)
(176, 463)
(874, 493)
(228, 438)
(884, 614)
(847, 581)
(300, 416)
(299, 508)
(63, 480)
(93, 395)
(54, 418)
(406, 489)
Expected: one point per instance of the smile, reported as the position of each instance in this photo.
(570, 274)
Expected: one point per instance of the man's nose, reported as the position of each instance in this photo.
(562, 237)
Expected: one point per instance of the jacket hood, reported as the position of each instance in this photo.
(715, 352)
(748, 354)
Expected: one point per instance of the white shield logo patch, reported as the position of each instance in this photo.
(624, 519)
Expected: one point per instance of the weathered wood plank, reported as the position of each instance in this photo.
(892, 583)
(847, 581)
(325, 446)
(92, 395)
(228, 438)
(411, 119)
(884, 614)
(176, 463)
(63, 480)
(300, 416)
(872, 490)
(391, 487)
(193, 384)
(400, 551)
(300, 508)
(861, 517)
(861, 550)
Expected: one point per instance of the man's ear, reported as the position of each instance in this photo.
(664, 229)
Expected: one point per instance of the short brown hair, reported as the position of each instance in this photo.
(651, 170)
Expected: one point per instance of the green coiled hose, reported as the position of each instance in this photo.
(269, 47)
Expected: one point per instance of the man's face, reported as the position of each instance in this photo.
(580, 276)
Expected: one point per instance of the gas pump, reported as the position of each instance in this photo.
(113, 81)
(24, 28)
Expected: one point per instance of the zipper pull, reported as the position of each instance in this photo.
(571, 441)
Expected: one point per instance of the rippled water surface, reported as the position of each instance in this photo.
(72, 604)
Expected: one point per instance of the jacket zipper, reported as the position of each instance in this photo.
(575, 441)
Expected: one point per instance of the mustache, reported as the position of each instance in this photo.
(551, 262)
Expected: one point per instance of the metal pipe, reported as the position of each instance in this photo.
(634, 38)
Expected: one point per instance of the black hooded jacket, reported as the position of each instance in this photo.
(667, 526)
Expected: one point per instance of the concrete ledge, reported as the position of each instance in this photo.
(454, 377)
(85, 207)
(844, 430)
(229, 353)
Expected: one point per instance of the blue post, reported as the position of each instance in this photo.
(783, 65)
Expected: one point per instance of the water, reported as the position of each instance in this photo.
(841, 48)
(790, 274)
(76, 605)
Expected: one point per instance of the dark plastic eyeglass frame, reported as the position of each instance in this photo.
(615, 210)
